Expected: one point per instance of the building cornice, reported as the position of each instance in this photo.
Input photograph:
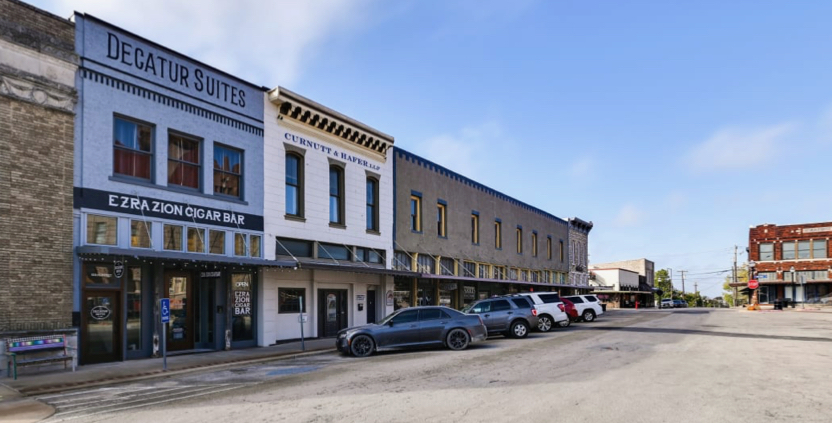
(296, 108)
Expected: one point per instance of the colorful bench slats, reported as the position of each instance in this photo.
(21, 346)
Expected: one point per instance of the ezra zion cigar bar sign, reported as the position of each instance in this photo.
(153, 207)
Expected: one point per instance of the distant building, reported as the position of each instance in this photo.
(621, 284)
(777, 249)
(579, 252)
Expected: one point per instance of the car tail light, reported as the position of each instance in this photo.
(534, 311)
(561, 307)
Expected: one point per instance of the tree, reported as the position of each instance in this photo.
(663, 282)
(728, 291)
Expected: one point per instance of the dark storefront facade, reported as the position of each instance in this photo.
(167, 199)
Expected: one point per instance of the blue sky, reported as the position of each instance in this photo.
(673, 126)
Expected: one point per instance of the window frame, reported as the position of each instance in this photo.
(148, 228)
(301, 305)
(534, 243)
(760, 251)
(519, 233)
(498, 234)
(215, 170)
(548, 247)
(415, 212)
(372, 208)
(199, 146)
(299, 186)
(825, 248)
(151, 154)
(475, 227)
(339, 196)
(442, 219)
(115, 228)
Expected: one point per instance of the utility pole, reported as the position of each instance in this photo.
(671, 282)
(683, 281)
(736, 290)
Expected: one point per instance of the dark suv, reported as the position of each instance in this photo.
(510, 316)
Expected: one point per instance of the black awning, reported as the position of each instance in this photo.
(101, 250)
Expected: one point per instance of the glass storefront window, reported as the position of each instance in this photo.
(255, 245)
(102, 230)
(140, 234)
(173, 237)
(216, 242)
(196, 240)
(134, 308)
(288, 300)
(241, 323)
(426, 292)
(402, 293)
(448, 294)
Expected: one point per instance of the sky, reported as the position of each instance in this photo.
(672, 126)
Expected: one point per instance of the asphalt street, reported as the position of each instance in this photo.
(692, 365)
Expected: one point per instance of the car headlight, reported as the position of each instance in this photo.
(342, 336)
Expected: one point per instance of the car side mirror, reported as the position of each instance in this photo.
(390, 323)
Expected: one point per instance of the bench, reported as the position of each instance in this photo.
(18, 348)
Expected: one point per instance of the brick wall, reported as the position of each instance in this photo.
(776, 235)
(36, 170)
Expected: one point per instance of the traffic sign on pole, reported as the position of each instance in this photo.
(753, 284)
(165, 307)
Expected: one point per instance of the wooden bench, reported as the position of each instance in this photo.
(18, 348)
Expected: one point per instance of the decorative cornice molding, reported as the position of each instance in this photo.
(302, 110)
(35, 93)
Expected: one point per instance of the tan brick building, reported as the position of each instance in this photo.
(37, 100)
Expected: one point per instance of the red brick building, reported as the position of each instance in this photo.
(792, 261)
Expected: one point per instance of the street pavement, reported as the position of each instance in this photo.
(687, 365)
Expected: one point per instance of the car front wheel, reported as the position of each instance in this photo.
(544, 323)
(362, 346)
(519, 329)
(457, 339)
(588, 316)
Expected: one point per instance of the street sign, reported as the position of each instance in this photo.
(165, 307)
(753, 284)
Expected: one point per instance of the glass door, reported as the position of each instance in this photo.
(101, 340)
(332, 311)
(181, 327)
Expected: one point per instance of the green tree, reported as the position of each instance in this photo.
(728, 291)
(663, 282)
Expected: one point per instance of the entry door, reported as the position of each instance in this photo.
(371, 306)
(178, 286)
(207, 313)
(332, 311)
(101, 334)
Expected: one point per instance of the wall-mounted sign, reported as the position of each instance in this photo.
(469, 292)
(360, 297)
(331, 151)
(242, 303)
(100, 312)
(214, 274)
(152, 207)
(389, 298)
(823, 229)
(448, 286)
(118, 268)
(107, 45)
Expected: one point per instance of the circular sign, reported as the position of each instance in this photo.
(118, 269)
(753, 284)
(100, 312)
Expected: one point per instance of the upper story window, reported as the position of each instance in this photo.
(519, 240)
(228, 171)
(788, 250)
(336, 195)
(415, 213)
(441, 223)
(372, 204)
(548, 248)
(475, 228)
(534, 244)
(766, 252)
(102, 230)
(294, 185)
(498, 234)
(183, 161)
(560, 251)
(819, 248)
(802, 250)
(133, 149)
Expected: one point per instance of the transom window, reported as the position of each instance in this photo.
(102, 230)
(132, 149)
(228, 171)
(183, 161)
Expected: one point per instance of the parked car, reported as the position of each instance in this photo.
(510, 316)
(571, 311)
(550, 309)
(413, 327)
(679, 304)
(589, 307)
(666, 303)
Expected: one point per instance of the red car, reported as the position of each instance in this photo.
(571, 311)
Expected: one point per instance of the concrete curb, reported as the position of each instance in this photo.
(161, 374)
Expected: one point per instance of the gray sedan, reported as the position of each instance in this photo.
(413, 327)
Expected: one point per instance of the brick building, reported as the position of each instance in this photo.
(37, 100)
(776, 250)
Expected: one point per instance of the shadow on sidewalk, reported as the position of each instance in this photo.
(707, 333)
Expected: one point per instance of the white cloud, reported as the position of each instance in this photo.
(629, 215)
(468, 152)
(736, 148)
(265, 42)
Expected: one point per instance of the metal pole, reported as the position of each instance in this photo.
(300, 318)
(165, 347)
(803, 286)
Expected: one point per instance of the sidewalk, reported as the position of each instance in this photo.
(14, 406)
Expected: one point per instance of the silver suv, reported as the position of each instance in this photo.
(510, 316)
(551, 311)
(588, 306)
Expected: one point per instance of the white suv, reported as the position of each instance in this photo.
(551, 310)
(588, 306)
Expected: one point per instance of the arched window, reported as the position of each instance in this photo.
(294, 185)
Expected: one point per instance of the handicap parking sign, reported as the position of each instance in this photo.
(165, 307)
